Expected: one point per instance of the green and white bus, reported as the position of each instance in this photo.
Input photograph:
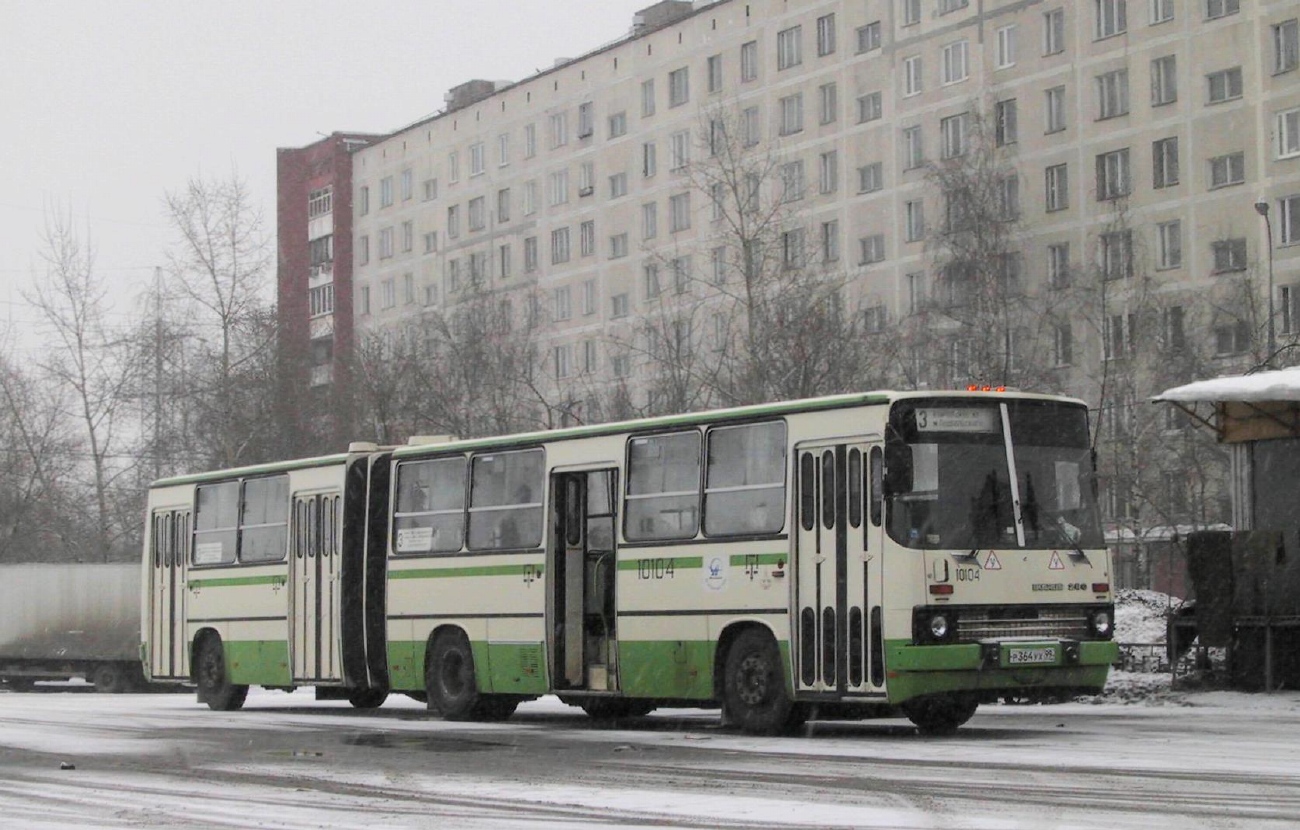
(840, 556)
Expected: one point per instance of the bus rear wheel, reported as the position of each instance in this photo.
(215, 688)
(940, 714)
(367, 698)
(449, 677)
(753, 685)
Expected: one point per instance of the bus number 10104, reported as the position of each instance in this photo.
(655, 568)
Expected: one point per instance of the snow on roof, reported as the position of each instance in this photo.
(1279, 385)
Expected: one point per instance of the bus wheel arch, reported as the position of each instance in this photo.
(208, 667)
(449, 679)
(751, 681)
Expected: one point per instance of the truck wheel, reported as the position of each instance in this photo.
(753, 685)
(449, 677)
(215, 688)
(110, 679)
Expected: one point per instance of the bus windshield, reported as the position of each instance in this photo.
(970, 474)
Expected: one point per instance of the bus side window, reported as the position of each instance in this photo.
(875, 485)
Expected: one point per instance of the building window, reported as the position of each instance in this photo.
(681, 267)
(955, 65)
(562, 358)
(430, 189)
(650, 280)
(914, 220)
(872, 249)
(430, 242)
(1006, 128)
(559, 129)
(915, 292)
(874, 319)
(1062, 345)
(869, 107)
(530, 140)
(477, 159)
(789, 47)
(830, 242)
(649, 220)
(1164, 162)
(869, 37)
(748, 61)
(503, 205)
(871, 177)
(1116, 336)
(1169, 243)
(1113, 175)
(530, 198)
(1058, 265)
(385, 191)
(503, 262)
(1054, 32)
(679, 212)
(913, 149)
(408, 236)
(792, 248)
(587, 238)
(477, 213)
(791, 114)
(453, 167)
(648, 98)
(1227, 170)
(1221, 8)
(828, 103)
(718, 261)
(749, 126)
(1054, 107)
(1164, 81)
(320, 202)
(649, 165)
(679, 86)
(952, 135)
(1231, 338)
(1115, 255)
(385, 243)
(558, 185)
(825, 35)
(1111, 17)
(1224, 85)
(618, 306)
(1171, 327)
(388, 293)
(1009, 197)
(503, 149)
(363, 250)
(363, 201)
(1290, 219)
(910, 12)
(559, 246)
(1162, 11)
(1286, 46)
(792, 181)
(530, 254)
(562, 304)
(1229, 255)
(713, 71)
(1112, 94)
(1288, 133)
(913, 81)
(618, 246)
(828, 178)
(679, 150)
(617, 185)
(1006, 47)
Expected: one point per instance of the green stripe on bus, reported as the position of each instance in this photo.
(479, 570)
(742, 559)
(230, 581)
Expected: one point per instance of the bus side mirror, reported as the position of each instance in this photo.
(898, 469)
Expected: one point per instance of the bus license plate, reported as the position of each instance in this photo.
(1031, 656)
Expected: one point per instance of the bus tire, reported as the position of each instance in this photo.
(367, 698)
(495, 707)
(215, 688)
(940, 714)
(449, 677)
(754, 693)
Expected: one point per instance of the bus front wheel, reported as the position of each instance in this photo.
(367, 698)
(215, 688)
(940, 714)
(449, 677)
(754, 690)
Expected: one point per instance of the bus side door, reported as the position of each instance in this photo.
(169, 542)
(314, 608)
(838, 571)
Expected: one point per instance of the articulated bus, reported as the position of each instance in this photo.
(877, 553)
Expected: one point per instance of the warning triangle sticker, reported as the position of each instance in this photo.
(992, 563)
(1056, 564)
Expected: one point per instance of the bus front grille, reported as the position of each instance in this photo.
(977, 624)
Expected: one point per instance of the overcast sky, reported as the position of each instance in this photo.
(107, 106)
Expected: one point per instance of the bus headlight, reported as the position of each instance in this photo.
(939, 627)
(1101, 623)
(931, 625)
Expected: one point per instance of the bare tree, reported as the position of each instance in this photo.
(219, 267)
(88, 360)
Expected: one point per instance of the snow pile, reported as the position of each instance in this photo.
(1142, 616)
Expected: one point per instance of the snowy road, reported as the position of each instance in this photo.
(286, 761)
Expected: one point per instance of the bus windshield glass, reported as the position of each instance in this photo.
(968, 474)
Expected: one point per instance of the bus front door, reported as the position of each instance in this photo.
(583, 635)
(314, 607)
(168, 657)
(838, 649)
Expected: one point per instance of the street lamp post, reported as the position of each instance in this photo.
(1262, 209)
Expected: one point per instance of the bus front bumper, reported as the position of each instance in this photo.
(997, 668)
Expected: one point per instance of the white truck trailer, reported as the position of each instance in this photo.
(64, 620)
